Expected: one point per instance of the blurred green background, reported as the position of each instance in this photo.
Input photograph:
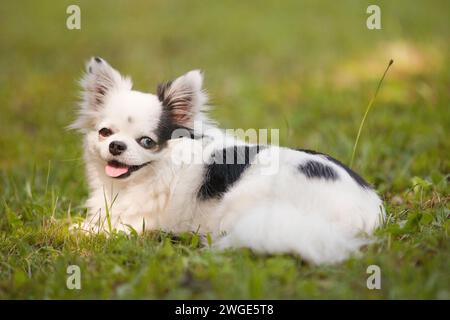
(308, 68)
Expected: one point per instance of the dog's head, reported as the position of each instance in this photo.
(125, 130)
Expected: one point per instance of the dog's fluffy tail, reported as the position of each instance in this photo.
(313, 237)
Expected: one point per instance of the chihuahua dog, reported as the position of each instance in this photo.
(157, 162)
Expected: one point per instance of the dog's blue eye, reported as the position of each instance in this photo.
(146, 142)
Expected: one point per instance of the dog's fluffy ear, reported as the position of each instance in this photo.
(99, 80)
(183, 98)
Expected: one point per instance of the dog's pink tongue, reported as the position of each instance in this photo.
(115, 171)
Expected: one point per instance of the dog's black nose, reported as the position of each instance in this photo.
(117, 147)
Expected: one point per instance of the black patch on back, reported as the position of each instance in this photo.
(359, 180)
(225, 168)
(315, 169)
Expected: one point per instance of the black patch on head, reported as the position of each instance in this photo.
(97, 59)
(178, 98)
(314, 169)
(359, 180)
(225, 168)
(166, 128)
(172, 101)
(161, 92)
(167, 124)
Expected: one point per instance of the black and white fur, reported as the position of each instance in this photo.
(311, 205)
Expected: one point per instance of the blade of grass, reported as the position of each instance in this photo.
(48, 175)
(369, 106)
(108, 217)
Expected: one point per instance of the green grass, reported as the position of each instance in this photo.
(306, 67)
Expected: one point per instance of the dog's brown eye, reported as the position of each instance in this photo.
(146, 142)
(105, 132)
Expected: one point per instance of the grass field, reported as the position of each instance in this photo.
(308, 68)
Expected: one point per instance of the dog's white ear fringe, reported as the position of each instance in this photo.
(184, 98)
(99, 80)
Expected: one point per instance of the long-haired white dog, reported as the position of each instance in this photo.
(265, 197)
